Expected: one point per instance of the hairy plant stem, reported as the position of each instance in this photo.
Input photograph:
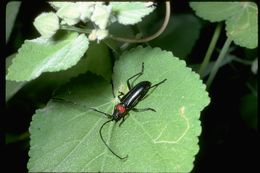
(211, 48)
(76, 29)
(243, 61)
(146, 39)
(218, 62)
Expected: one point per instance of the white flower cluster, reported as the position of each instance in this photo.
(71, 13)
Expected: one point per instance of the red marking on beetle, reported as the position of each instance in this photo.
(120, 108)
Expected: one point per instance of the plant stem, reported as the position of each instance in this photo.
(211, 48)
(243, 61)
(76, 29)
(218, 62)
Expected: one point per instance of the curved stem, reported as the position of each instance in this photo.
(165, 23)
(218, 62)
(211, 48)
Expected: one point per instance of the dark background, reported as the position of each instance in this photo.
(227, 142)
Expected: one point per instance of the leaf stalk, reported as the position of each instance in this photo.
(211, 48)
(220, 58)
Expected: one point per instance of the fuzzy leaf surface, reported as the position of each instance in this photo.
(243, 27)
(65, 135)
(47, 55)
(129, 13)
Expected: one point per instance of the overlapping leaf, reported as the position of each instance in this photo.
(241, 19)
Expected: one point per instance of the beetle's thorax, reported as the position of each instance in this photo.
(121, 108)
(119, 111)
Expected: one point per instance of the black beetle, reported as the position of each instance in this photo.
(128, 102)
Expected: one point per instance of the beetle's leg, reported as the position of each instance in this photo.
(143, 109)
(154, 86)
(122, 121)
(106, 114)
(120, 94)
(124, 118)
(136, 76)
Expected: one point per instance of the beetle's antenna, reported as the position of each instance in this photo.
(100, 133)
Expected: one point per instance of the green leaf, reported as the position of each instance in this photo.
(47, 55)
(243, 27)
(241, 19)
(11, 87)
(129, 13)
(65, 137)
(215, 11)
(96, 60)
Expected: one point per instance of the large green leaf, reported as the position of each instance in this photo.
(64, 136)
(47, 55)
(97, 60)
(241, 19)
